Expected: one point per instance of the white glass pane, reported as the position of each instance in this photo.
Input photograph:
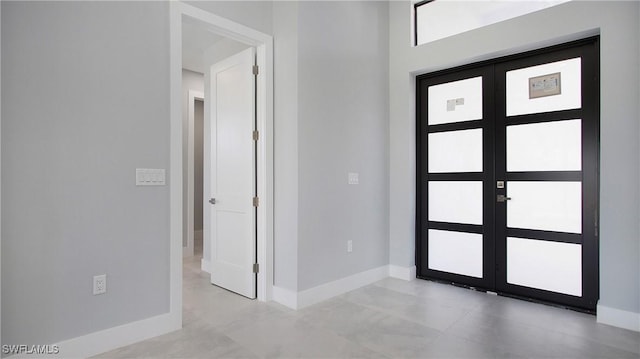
(455, 201)
(455, 151)
(551, 266)
(455, 252)
(455, 101)
(550, 206)
(519, 101)
(548, 146)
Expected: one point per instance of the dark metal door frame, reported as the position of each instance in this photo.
(494, 124)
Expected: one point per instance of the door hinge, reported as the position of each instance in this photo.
(255, 69)
(256, 268)
(256, 201)
(256, 135)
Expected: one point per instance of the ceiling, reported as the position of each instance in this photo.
(195, 40)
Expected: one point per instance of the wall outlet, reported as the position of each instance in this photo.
(349, 246)
(99, 284)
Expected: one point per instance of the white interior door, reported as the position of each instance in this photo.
(232, 178)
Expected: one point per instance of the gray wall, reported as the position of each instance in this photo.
(285, 147)
(342, 127)
(190, 81)
(85, 94)
(618, 23)
(331, 118)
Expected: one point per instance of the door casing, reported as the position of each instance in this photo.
(264, 106)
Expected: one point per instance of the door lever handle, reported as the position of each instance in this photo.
(503, 198)
(212, 201)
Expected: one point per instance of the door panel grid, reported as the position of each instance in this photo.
(528, 214)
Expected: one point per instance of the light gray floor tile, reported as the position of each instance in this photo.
(396, 337)
(389, 319)
(432, 313)
(530, 341)
(447, 346)
(342, 317)
(462, 298)
(295, 338)
(564, 321)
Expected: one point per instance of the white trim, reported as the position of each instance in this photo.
(404, 273)
(328, 290)
(205, 266)
(193, 96)
(286, 297)
(618, 318)
(175, 175)
(0, 170)
(264, 47)
(305, 298)
(105, 340)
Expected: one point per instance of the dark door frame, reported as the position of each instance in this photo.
(494, 123)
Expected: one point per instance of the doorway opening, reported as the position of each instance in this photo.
(182, 14)
(507, 175)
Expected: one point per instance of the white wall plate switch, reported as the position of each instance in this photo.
(150, 177)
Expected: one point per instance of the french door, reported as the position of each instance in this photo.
(507, 171)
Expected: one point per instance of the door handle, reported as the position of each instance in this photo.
(212, 201)
(503, 198)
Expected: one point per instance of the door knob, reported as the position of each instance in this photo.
(503, 198)
(212, 201)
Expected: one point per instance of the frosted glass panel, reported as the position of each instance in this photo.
(455, 151)
(551, 266)
(550, 206)
(455, 101)
(549, 146)
(440, 19)
(455, 252)
(518, 84)
(455, 201)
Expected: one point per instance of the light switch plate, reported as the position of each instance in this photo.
(353, 178)
(150, 177)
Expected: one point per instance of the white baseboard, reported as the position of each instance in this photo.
(328, 290)
(205, 265)
(305, 298)
(286, 297)
(618, 318)
(109, 339)
(404, 273)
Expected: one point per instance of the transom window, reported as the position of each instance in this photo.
(438, 19)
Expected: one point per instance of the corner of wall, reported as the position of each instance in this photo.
(404, 273)
(298, 300)
(618, 318)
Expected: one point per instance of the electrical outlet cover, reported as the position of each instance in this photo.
(99, 284)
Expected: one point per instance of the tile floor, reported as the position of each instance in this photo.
(388, 319)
